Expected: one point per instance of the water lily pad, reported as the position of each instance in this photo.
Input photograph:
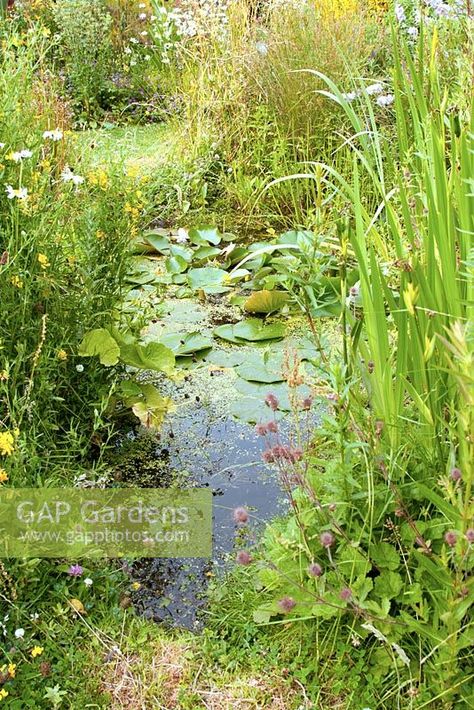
(266, 301)
(226, 358)
(176, 265)
(205, 253)
(267, 371)
(186, 343)
(250, 330)
(156, 242)
(208, 278)
(204, 235)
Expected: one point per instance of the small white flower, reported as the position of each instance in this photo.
(144, 33)
(88, 582)
(127, 50)
(21, 155)
(133, 40)
(2, 145)
(142, 16)
(133, 63)
(19, 633)
(182, 236)
(21, 193)
(55, 135)
(68, 176)
(261, 48)
(142, 5)
(147, 57)
(374, 89)
(350, 96)
(412, 32)
(35, 616)
(80, 368)
(385, 100)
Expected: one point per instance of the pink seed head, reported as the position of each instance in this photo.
(286, 604)
(272, 427)
(271, 401)
(243, 558)
(241, 515)
(456, 474)
(326, 539)
(345, 594)
(315, 570)
(268, 456)
(306, 403)
(261, 429)
(450, 538)
(470, 535)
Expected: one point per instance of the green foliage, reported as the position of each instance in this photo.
(84, 30)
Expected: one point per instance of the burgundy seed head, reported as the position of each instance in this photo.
(370, 367)
(450, 538)
(456, 474)
(271, 401)
(345, 594)
(272, 427)
(326, 539)
(243, 558)
(4, 258)
(306, 403)
(286, 604)
(261, 429)
(241, 515)
(332, 507)
(470, 535)
(268, 456)
(315, 570)
(378, 427)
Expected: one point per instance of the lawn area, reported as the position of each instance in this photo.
(236, 354)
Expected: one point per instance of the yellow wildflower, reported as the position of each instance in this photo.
(3, 475)
(16, 432)
(133, 171)
(12, 670)
(43, 261)
(16, 281)
(3, 375)
(99, 178)
(3, 694)
(62, 355)
(36, 651)
(100, 234)
(7, 443)
(136, 586)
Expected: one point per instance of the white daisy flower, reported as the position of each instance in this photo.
(21, 193)
(80, 368)
(55, 135)
(21, 155)
(19, 633)
(68, 176)
(88, 582)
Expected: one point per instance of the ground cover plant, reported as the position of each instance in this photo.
(310, 188)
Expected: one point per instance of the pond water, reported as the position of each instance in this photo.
(203, 444)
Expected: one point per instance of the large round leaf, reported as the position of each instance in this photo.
(266, 301)
(153, 356)
(208, 279)
(186, 343)
(100, 342)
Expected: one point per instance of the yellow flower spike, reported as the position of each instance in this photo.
(12, 670)
(7, 443)
(3, 694)
(136, 586)
(43, 261)
(16, 281)
(3, 475)
(62, 355)
(36, 651)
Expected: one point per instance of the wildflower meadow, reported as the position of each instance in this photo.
(236, 273)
